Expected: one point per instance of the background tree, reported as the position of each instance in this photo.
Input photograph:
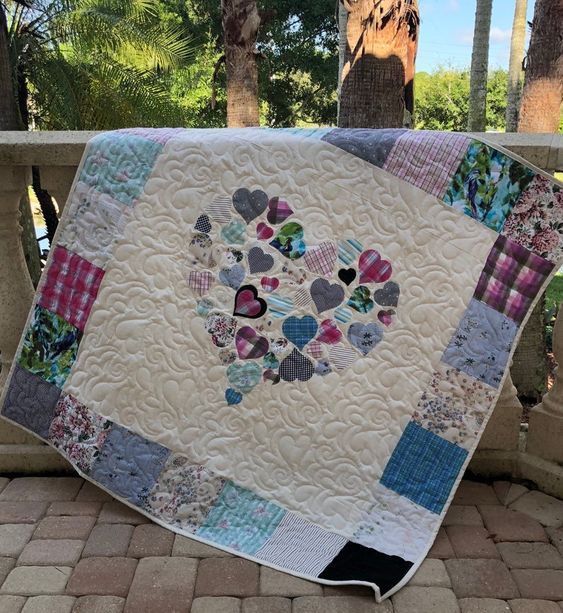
(378, 73)
(543, 83)
(515, 71)
(479, 67)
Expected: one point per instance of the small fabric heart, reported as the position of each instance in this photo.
(372, 268)
(270, 375)
(258, 261)
(386, 317)
(321, 259)
(264, 232)
(347, 275)
(326, 296)
(204, 306)
(243, 376)
(248, 304)
(278, 210)
(364, 337)
(232, 396)
(289, 240)
(201, 249)
(315, 349)
(203, 224)
(279, 306)
(250, 205)
(341, 356)
(323, 368)
(234, 233)
(329, 332)
(270, 360)
(232, 277)
(232, 257)
(300, 330)
(221, 327)
(269, 284)
(296, 366)
(279, 345)
(360, 300)
(388, 295)
(220, 209)
(250, 345)
(200, 281)
(227, 356)
(349, 250)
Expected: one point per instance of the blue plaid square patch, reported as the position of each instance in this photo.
(423, 467)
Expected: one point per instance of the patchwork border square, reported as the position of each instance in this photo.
(427, 159)
(184, 493)
(481, 344)
(299, 545)
(30, 401)
(78, 432)
(372, 146)
(511, 278)
(71, 287)
(241, 520)
(50, 346)
(128, 464)
(423, 467)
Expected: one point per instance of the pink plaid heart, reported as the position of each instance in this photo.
(321, 259)
(200, 282)
(315, 349)
(329, 332)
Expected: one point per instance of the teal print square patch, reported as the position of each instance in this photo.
(423, 467)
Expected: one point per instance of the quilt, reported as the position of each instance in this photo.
(286, 343)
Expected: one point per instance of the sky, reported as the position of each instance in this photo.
(446, 33)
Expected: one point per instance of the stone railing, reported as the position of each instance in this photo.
(506, 449)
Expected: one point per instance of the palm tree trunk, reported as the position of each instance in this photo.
(477, 120)
(241, 21)
(378, 71)
(543, 83)
(342, 25)
(515, 72)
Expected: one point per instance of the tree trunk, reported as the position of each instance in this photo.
(342, 26)
(477, 120)
(378, 72)
(241, 21)
(543, 83)
(515, 72)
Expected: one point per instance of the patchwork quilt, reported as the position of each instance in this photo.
(286, 343)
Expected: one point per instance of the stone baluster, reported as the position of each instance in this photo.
(16, 289)
(57, 180)
(545, 430)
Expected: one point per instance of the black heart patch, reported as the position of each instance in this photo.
(203, 224)
(296, 366)
(347, 275)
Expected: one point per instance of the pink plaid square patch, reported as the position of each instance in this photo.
(426, 159)
(70, 287)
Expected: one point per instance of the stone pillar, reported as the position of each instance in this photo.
(16, 289)
(57, 180)
(545, 430)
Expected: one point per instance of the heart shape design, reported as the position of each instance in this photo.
(233, 256)
(296, 366)
(204, 306)
(347, 275)
(321, 259)
(300, 330)
(289, 240)
(227, 356)
(264, 232)
(203, 224)
(249, 205)
(258, 261)
(360, 300)
(329, 332)
(201, 248)
(278, 211)
(270, 361)
(372, 268)
(326, 296)
(364, 337)
(323, 368)
(386, 317)
(221, 327)
(250, 345)
(388, 295)
(271, 375)
(232, 277)
(269, 284)
(243, 376)
(248, 304)
(342, 356)
(234, 233)
(232, 396)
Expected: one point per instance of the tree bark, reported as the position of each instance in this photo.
(342, 26)
(515, 71)
(543, 82)
(477, 119)
(241, 20)
(378, 72)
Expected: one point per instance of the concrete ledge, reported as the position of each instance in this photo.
(32, 459)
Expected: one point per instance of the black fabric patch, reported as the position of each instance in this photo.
(359, 563)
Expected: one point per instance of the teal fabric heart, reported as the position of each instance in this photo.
(244, 376)
(360, 300)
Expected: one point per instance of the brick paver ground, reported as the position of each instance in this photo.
(68, 547)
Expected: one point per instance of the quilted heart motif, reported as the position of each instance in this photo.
(347, 275)
(388, 295)
(232, 396)
(289, 240)
(221, 327)
(278, 210)
(360, 300)
(372, 268)
(271, 375)
(269, 284)
(264, 232)
(386, 317)
(232, 277)
(250, 205)
(270, 360)
(203, 224)
(248, 304)
(250, 345)
(244, 376)
(364, 337)
(300, 330)
(234, 233)
(258, 261)
(329, 332)
(321, 259)
(326, 296)
(296, 366)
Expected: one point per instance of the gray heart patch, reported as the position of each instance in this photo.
(249, 204)
(326, 296)
(296, 366)
(388, 295)
(232, 277)
(364, 337)
(258, 261)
